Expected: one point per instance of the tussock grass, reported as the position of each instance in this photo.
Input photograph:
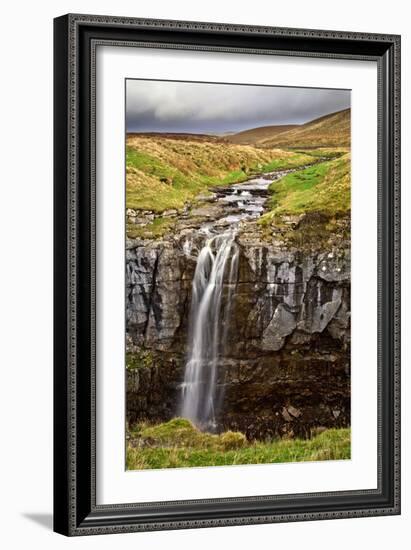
(180, 432)
(178, 444)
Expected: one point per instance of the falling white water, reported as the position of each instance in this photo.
(217, 266)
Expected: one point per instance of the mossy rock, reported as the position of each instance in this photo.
(232, 440)
(177, 432)
(180, 432)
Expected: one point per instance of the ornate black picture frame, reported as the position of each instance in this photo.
(75, 40)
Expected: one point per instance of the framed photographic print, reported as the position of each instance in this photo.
(227, 292)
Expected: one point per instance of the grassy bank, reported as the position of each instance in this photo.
(324, 187)
(178, 444)
(166, 173)
(153, 230)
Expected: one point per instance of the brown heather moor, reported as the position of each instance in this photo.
(328, 131)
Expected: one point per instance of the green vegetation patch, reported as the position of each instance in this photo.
(295, 160)
(181, 433)
(157, 228)
(178, 444)
(138, 360)
(323, 187)
(157, 186)
(315, 231)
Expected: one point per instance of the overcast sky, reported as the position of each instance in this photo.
(164, 106)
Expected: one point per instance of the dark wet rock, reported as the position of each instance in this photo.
(286, 415)
(296, 413)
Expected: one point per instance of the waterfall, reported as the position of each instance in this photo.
(217, 265)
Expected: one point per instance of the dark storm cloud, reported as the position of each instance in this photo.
(162, 106)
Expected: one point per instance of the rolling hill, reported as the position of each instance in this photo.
(333, 130)
(255, 135)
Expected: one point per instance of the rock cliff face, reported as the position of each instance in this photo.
(286, 368)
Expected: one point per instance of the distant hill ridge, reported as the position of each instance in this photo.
(183, 136)
(256, 135)
(332, 130)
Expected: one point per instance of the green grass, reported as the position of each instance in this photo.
(152, 230)
(178, 444)
(168, 175)
(180, 432)
(167, 187)
(323, 187)
(292, 192)
(295, 161)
